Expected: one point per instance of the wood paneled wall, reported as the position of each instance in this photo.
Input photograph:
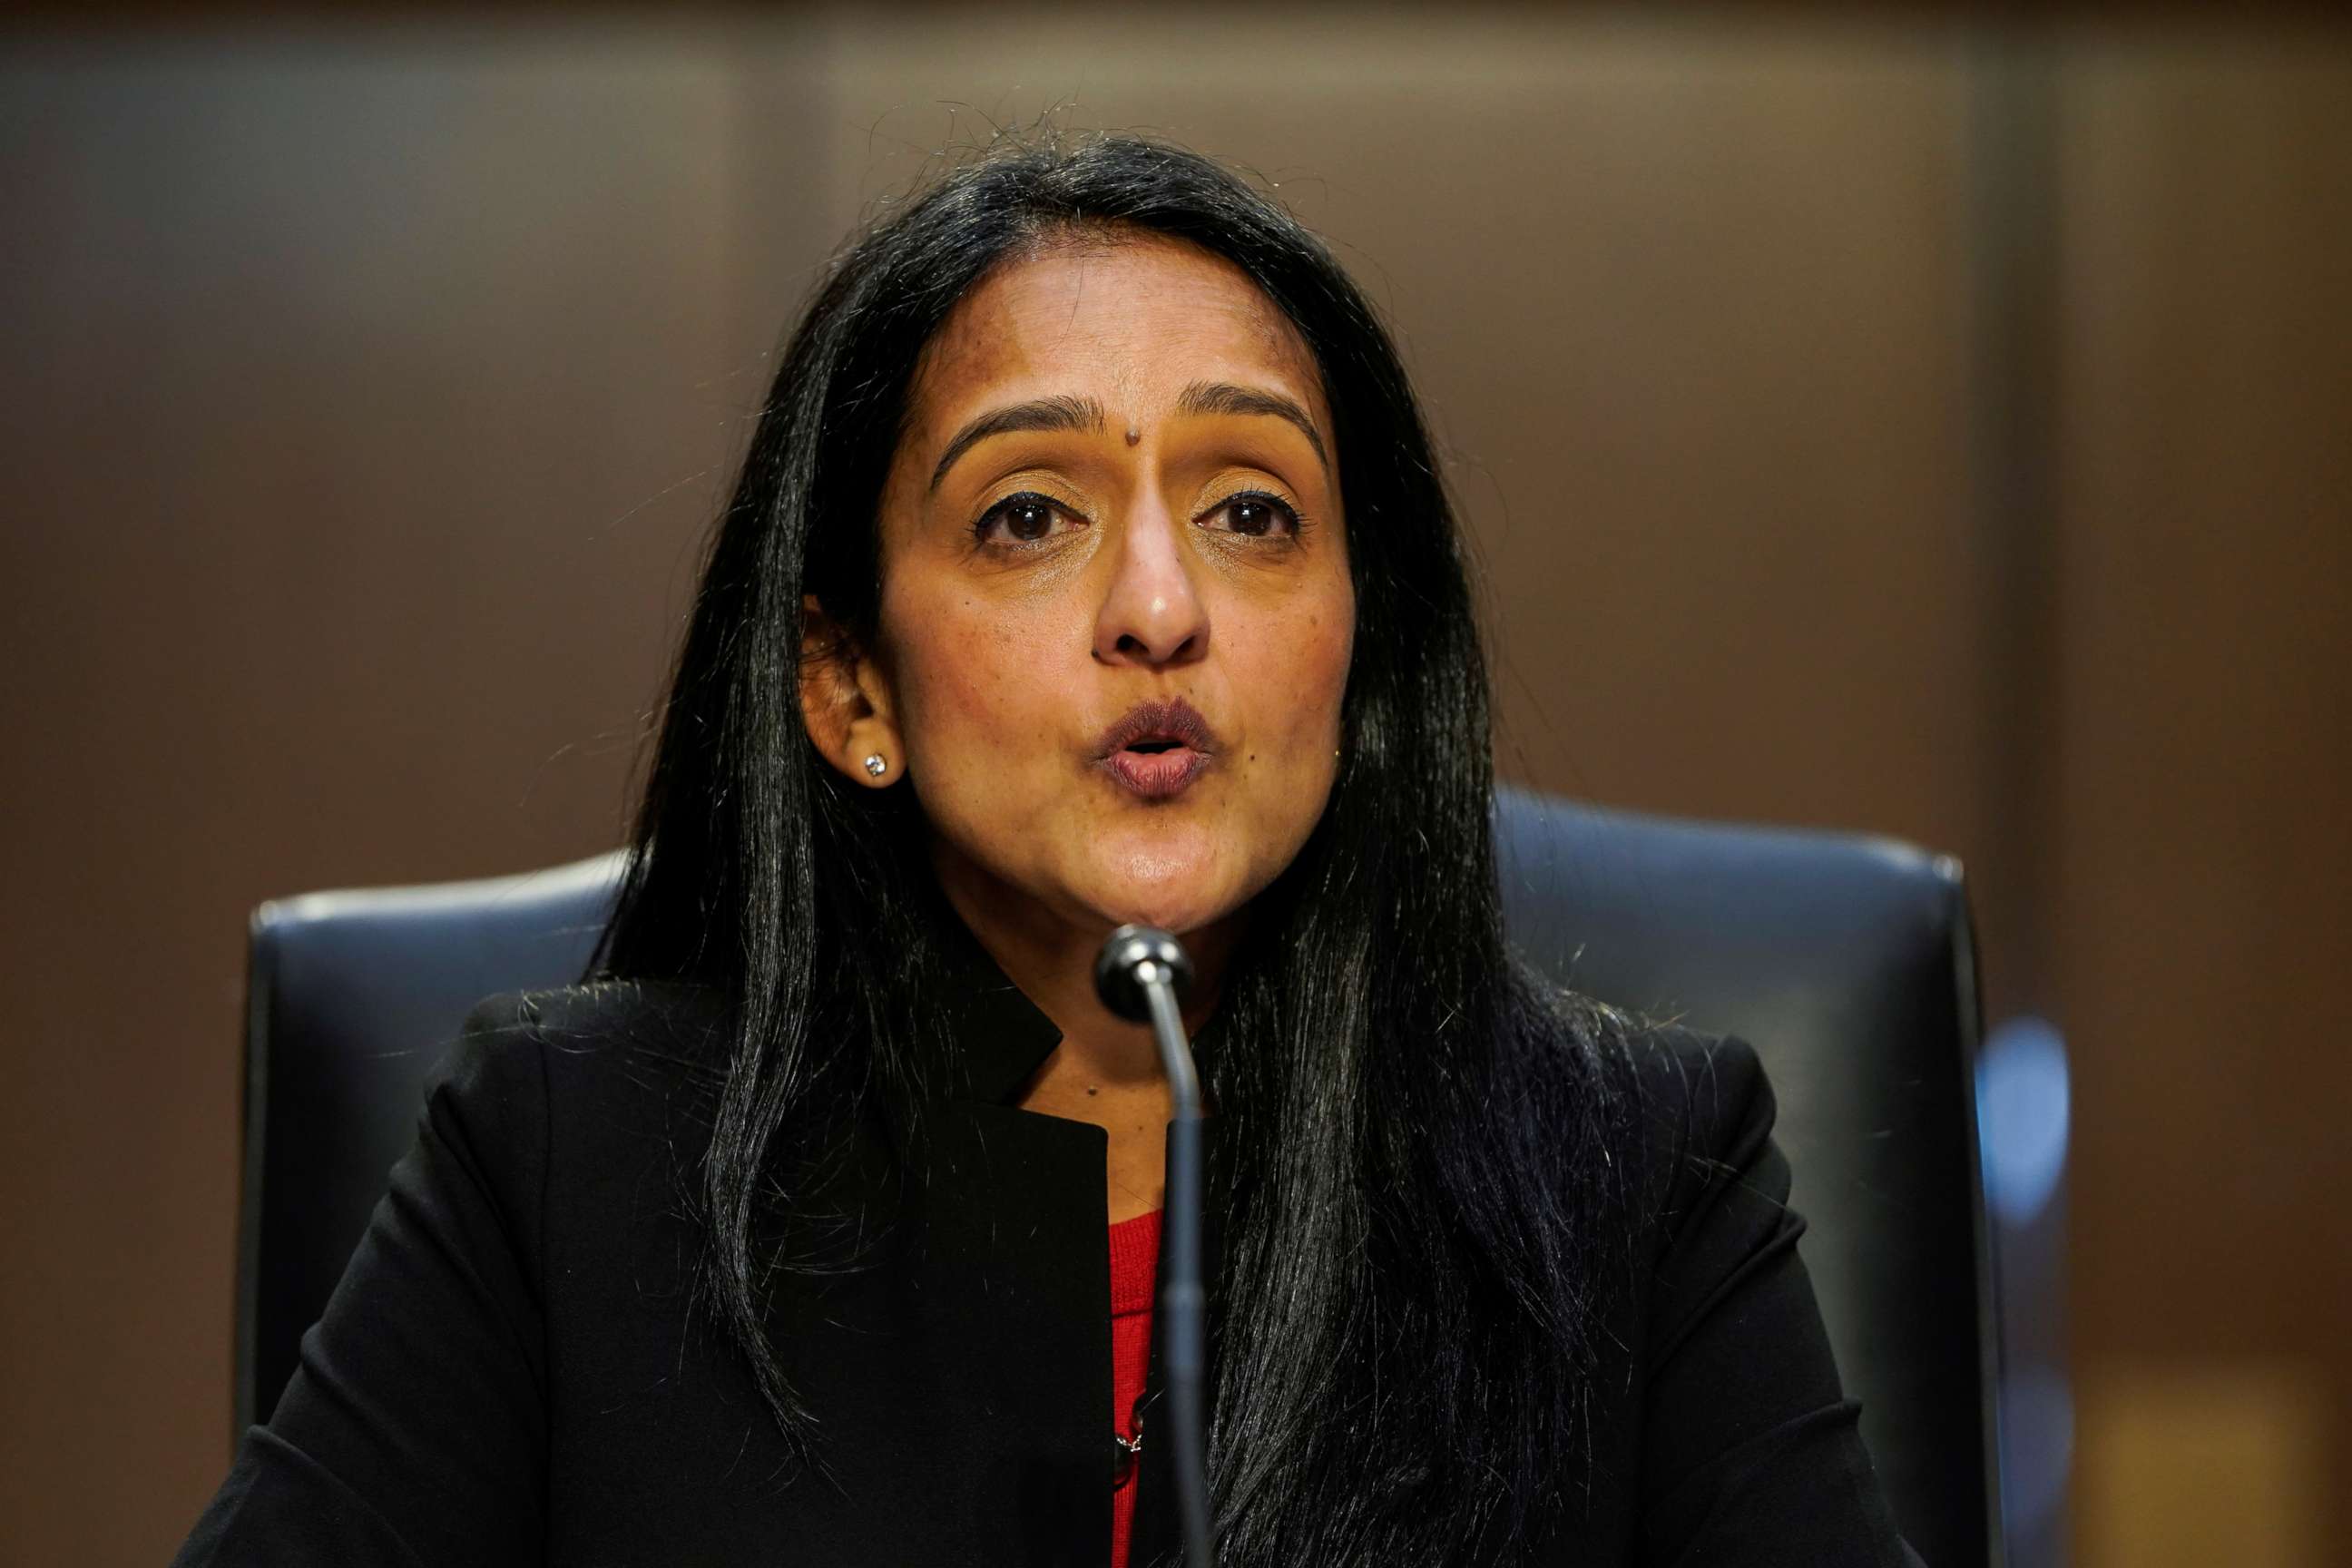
(369, 387)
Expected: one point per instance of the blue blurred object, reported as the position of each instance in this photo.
(2023, 1107)
(2022, 1112)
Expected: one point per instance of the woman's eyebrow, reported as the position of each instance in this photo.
(1224, 397)
(1041, 414)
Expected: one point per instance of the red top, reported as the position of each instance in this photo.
(1134, 1268)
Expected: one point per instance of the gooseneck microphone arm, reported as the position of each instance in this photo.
(1138, 975)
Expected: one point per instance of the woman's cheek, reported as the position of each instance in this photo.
(1322, 679)
(960, 675)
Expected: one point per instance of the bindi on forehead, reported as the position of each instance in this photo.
(1050, 323)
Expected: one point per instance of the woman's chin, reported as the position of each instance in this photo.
(1178, 916)
(1178, 909)
(1176, 892)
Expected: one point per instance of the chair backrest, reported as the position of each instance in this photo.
(1846, 962)
(350, 998)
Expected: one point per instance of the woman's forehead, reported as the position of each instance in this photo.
(1127, 323)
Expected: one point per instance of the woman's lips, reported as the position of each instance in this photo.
(1155, 775)
(1157, 749)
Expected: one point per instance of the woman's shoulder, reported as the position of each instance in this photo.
(1696, 1088)
(578, 1113)
(599, 1010)
(1735, 1419)
(1709, 1194)
(602, 1044)
(1679, 1110)
(1701, 1100)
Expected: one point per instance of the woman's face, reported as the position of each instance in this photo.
(1116, 613)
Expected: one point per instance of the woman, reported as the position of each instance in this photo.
(1089, 564)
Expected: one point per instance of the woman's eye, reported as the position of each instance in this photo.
(1254, 515)
(1024, 519)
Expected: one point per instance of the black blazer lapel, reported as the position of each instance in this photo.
(1012, 1276)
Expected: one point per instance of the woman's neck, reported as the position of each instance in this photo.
(1105, 1071)
(1051, 957)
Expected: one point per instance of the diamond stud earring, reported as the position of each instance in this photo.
(875, 765)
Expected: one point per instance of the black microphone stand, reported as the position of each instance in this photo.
(1138, 974)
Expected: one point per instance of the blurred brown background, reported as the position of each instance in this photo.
(1937, 427)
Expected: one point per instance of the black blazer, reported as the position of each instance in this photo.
(513, 1368)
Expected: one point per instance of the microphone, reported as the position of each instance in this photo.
(1140, 974)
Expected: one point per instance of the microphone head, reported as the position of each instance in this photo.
(1118, 970)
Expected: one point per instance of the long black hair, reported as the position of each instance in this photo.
(1415, 1191)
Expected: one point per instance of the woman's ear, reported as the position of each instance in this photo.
(846, 702)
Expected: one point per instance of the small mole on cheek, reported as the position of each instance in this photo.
(1134, 435)
(1092, 1089)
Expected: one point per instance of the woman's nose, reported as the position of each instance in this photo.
(1151, 614)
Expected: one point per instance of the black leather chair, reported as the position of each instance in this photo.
(1847, 961)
